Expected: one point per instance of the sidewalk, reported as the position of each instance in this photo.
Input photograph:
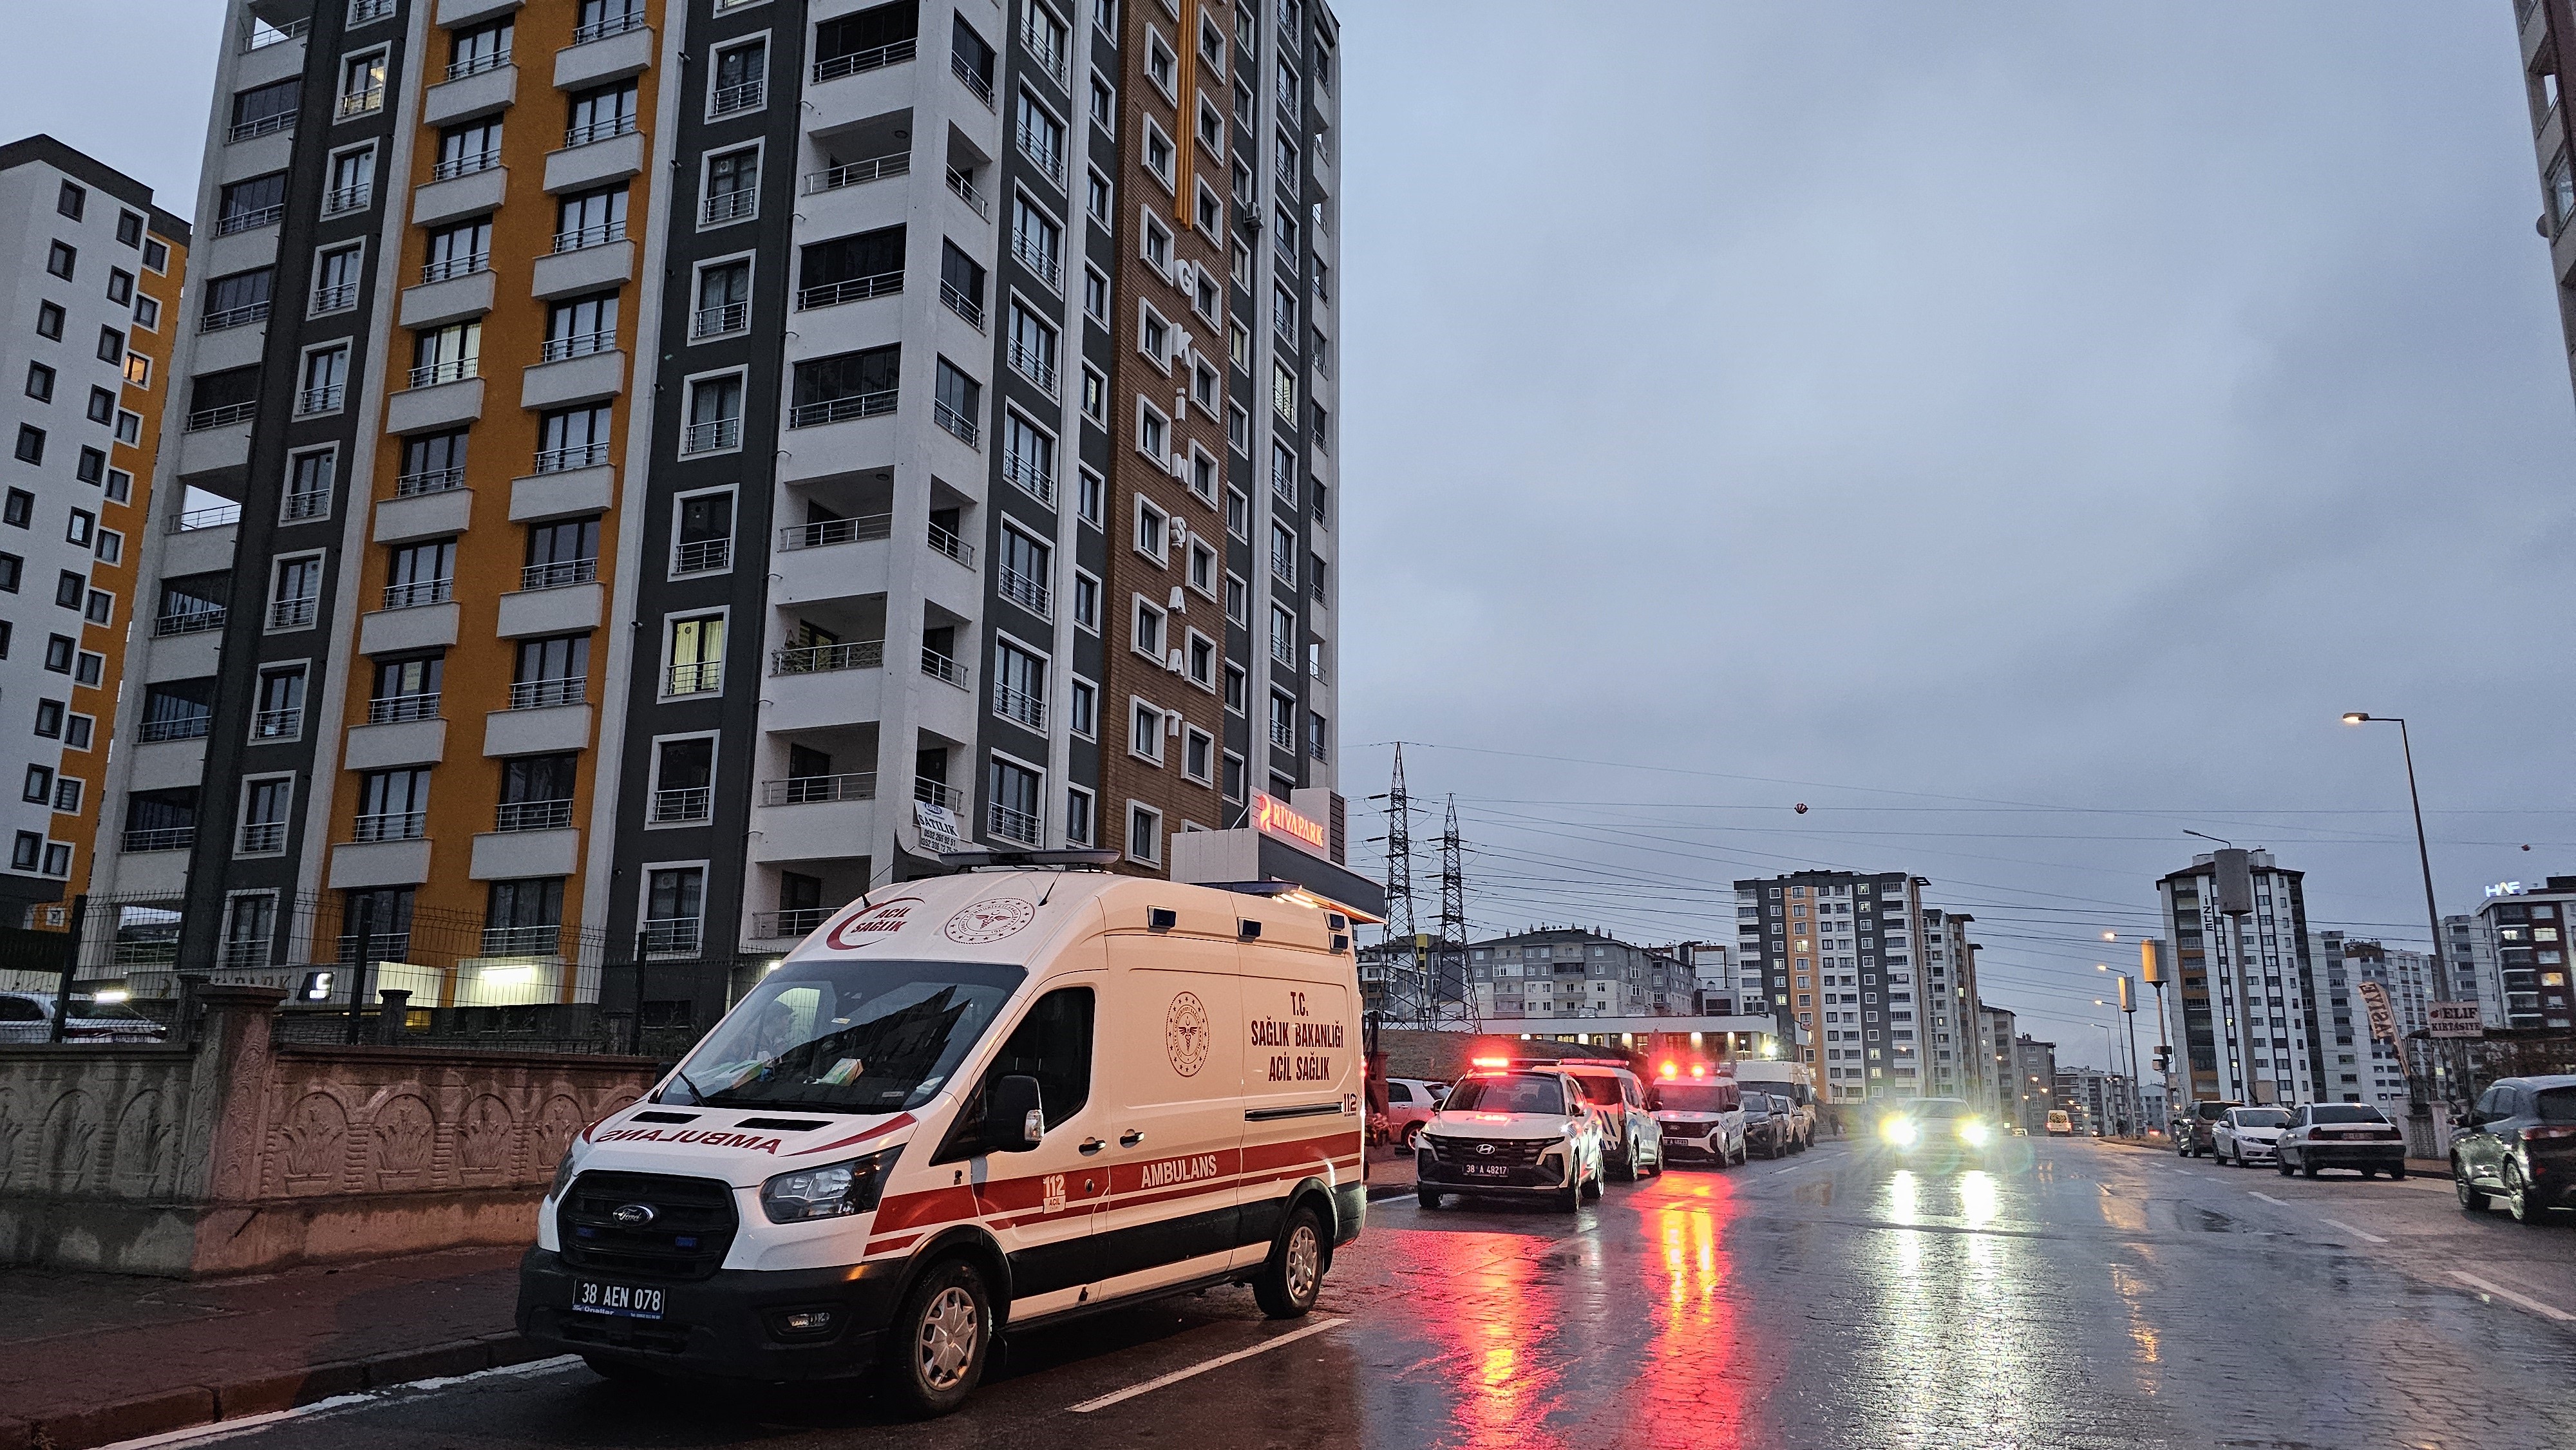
(1390, 1172)
(88, 1359)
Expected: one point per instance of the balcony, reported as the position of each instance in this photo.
(1283, 734)
(334, 297)
(392, 826)
(943, 669)
(419, 592)
(828, 532)
(858, 62)
(806, 790)
(221, 516)
(1045, 153)
(341, 199)
(400, 709)
(947, 545)
(682, 806)
(858, 173)
(746, 96)
(1021, 706)
(545, 694)
(324, 399)
(165, 838)
(452, 370)
(713, 436)
(229, 415)
(293, 613)
(717, 321)
(464, 266)
(1035, 364)
(262, 838)
(264, 126)
(613, 25)
(1011, 825)
(705, 677)
(841, 410)
(178, 727)
(249, 219)
(429, 480)
(964, 186)
(361, 103)
(365, 12)
(740, 204)
(607, 130)
(598, 235)
(258, 34)
(277, 724)
(1039, 260)
(777, 925)
(939, 793)
(456, 166)
(523, 941)
(532, 815)
(856, 289)
(1048, 51)
(674, 936)
(562, 574)
(956, 423)
(976, 86)
(1030, 594)
(189, 621)
(866, 654)
(564, 460)
(963, 305)
(556, 349)
(702, 556)
(475, 65)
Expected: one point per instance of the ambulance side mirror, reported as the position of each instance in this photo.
(1013, 1116)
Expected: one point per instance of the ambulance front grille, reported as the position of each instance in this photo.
(689, 1226)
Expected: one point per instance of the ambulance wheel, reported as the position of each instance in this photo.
(941, 1340)
(1426, 1198)
(1287, 1285)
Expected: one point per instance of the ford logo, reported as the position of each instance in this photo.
(633, 1215)
(1486, 1149)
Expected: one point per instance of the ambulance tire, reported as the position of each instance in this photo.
(1294, 1274)
(924, 1372)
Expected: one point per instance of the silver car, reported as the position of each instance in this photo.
(29, 1017)
(2247, 1136)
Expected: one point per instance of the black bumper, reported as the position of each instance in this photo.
(726, 1325)
(2351, 1155)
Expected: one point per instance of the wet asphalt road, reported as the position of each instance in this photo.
(2072, 1295)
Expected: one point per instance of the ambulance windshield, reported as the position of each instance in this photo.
(848, 1037)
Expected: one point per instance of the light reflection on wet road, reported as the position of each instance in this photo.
(2069, 1296)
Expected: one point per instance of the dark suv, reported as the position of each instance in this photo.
(2519, 1144)
(2191, 1126)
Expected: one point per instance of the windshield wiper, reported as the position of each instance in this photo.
(685, 1081)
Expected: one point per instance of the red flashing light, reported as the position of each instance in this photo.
(1490, 1061)
(1699, 1069)
(1671, 1068)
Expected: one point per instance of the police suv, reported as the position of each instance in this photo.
(1511, 1130)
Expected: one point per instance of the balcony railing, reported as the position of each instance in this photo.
(976, 86)
(578, 455)
(865, 654)
(856, 289)
(807, 790)
(841, 410)
(249, 219)
(956, 423)
(1315, 746)
(335, 296)
(676, 936)
(277, 724)
(347, 198)
(1030, 477)
(597, 234)
(1030, 594)
(190, 621)
(720, 319)
(1035, 364)
(532, 815)
(235, 317)
(1020, 705)
(362, 12)
(613, 25)
(429, 480)
(943, 669)
(398, 709)
(323, 399)
(858, 173)
(709, 436)
(220, 516)
(262, 836)
(264, 126)
(1044, 152)
(731, 206)
(522, 941)
(475, 65)
(293, 613)
(858, 61)
(162, 838)
(360, 103)
(258, 34)
(1283, 734)
(742, 97)
(543, 694)
(773, 925)
(938, 793)
(963, 305)
(1038, 259)
(224, 416)
(455, 166)
(946, 543)
(561, 574)
(678, 807)
(413, 594)
(1046, 50)
(706, 677)
(443, 268)
(959, 183)
(581, 344)
(607, 130)
(450, 370)
(702, 556)
(1011, 825)
(177, 727)
(827, 532)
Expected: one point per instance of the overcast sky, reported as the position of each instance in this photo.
(2015, 431)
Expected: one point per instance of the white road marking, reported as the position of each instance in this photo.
(2360, 1233)
(227, 1429)
(1792, 1168)
(2549, 1311)
(2267, 1198)
(2187, 1173)
(1222, 1360)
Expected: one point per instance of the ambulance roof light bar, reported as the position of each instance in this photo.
(961, 861)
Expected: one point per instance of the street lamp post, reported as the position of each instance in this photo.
(2419, 1109)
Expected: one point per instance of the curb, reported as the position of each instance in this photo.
(195, 1405)
(1378, 1193)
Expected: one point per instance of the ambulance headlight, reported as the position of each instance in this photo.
(832, 1191)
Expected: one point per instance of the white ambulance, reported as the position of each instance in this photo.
(972, 1103)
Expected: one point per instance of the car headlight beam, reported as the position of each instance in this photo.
(1898, 1130)
(1974, 1133)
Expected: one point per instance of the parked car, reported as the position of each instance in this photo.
(1512, 1132)
(1631, 1141)
(2245, 1136)
(2194, 1125)
(1792, 1083)
(1410, 1102)
(29, 1017)
(2519, 1144)
(1702, 1118)
(1770, 1125)
(2341, 1135)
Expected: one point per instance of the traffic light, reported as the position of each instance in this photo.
(2164, 1059)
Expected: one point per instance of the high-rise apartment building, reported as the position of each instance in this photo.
(1997, 1067)
(2243, 1015)
(2548, 69)
(1572, 971)
(92, 271)
(1847, 962)
(2528, 924)
(2357, 1066)
(2471, 955)
(2034, 1083)
(699, 459)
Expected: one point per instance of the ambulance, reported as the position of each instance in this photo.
(968, 1105)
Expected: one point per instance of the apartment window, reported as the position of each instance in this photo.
(1156, 244)
(553, 671)
(537, 792)
(715, 415)
(741, 82)
(264, 109)
(1283, 393)
(702, 539)
(590, 219)
(1077, 816)
(420, 574)
(449, 354)
(111, 547)
(1283, 554)
(102, 407)
(1198, 756)
(683, 781)
(580, 326)
(724, 300)
(1082, 709)
(1086, 602)
(1199, 659)
(49, 719)
(1153, 335)
(1160, 67)
(1238, 346)
(1037, 241)
(674, 910)
(295, 592)
(335, 278)
(845, 386)
(40, 382)
(1041, 136)
(58, 653)
(324, 384)
(80, 528)
(561, 554)
(1095, 395)
(431, 463)
(958, 401)
(732, 186)
(601, 113)
(1104, 102)
(393, 805)
(1145, 732)
(263, 820)
(1091, 500)
(49, 321)
(1202, 568)
(1237, 600)
(147, 314)
(524, 917)
(362, 84)
(18, 508)
(1013, 812)
(1145, 635)
(156, 256)
(27, 854)
(1283, 636)
(1153, 432)
(279, 714)
(568, 438)
(71, 589)
(481, 48)
(1095, 294)
(1144, 835)
(91, 467)
(129, 426)
(697, 655)
(352, 180)
(458, 250)
(61, 259)
(120, 486)
(138, 370)
(1153, 536)
(71, 200)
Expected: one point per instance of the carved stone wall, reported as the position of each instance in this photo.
(237, 1154)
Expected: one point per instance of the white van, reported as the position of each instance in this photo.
(970, 1103)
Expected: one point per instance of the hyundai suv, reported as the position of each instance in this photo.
(1699, 1117)
(2519, 1144)
(1511, 1133)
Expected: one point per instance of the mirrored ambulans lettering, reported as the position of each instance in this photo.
(700, 1137)
(1168, 1171)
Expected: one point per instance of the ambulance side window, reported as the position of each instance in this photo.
(1051, 1044)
